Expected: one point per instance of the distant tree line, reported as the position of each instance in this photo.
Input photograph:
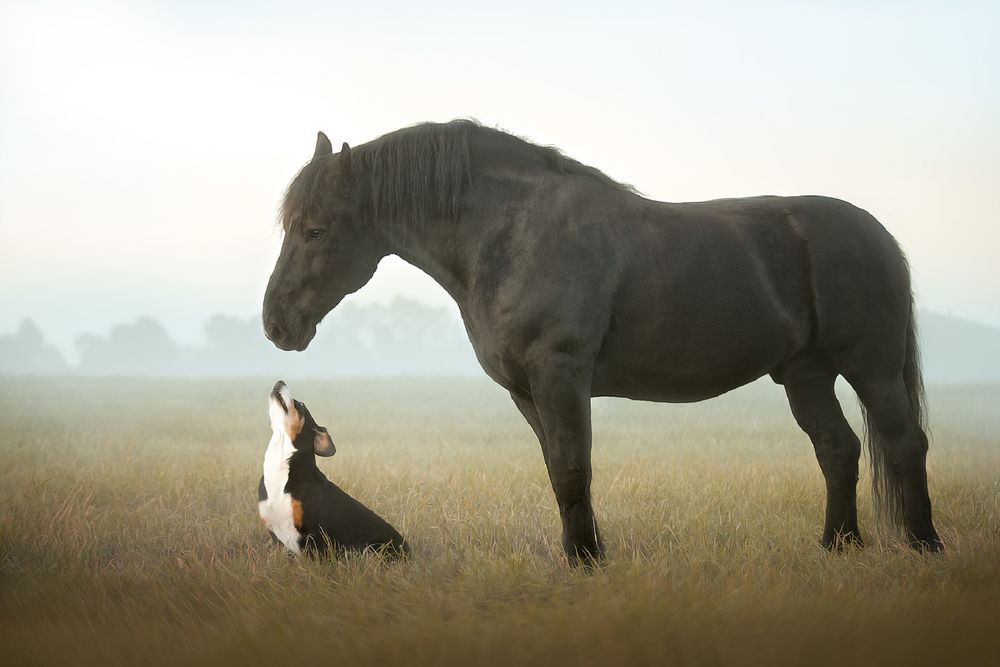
(25, 352)
(402, 338)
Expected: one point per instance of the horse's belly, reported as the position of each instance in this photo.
(665, 359)
(670, 387)
(695, 319)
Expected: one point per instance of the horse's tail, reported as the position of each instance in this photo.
(887, 491)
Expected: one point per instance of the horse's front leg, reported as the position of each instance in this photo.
(526, 404)
(560, 388)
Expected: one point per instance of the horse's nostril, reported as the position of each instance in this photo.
(273, 330)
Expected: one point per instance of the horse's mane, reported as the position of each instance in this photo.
(420, 172)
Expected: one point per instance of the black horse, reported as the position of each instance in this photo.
(571, 285)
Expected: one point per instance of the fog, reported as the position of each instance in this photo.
(145, 146)
(403, 338)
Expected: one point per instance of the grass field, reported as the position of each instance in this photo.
(129, 535)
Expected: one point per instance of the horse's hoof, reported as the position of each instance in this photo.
(585, 558)
(931, 546)
(586, 561)
(841, 542)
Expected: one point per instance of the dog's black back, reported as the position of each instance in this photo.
(330, 517)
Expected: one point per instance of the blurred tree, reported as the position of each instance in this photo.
(26, 352)
(141, 348)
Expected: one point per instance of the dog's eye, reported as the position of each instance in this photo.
(315, 234)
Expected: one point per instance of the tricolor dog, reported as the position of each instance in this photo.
(298, 504)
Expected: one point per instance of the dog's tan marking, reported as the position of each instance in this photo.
(297, 513)
(294, 422)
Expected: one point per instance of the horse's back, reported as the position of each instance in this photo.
(716, 294)
(675, 302)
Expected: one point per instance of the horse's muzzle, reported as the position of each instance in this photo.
(296, 339)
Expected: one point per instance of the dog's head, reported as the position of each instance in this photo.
(292, 419)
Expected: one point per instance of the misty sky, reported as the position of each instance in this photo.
(144, 146)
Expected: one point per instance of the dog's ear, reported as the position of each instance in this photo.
(323, 443)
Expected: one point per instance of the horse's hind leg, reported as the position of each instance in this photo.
(899, 448)
(817, 411)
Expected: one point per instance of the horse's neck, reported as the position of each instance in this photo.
(441, 249)
(449, 250)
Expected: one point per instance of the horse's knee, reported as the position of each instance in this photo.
(840, 468)
(571, 483)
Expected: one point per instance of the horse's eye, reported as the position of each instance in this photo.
(316, 234)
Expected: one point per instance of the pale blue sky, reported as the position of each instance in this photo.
(144, 146)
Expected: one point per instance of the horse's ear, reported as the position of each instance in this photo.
(323, 146)
(345, 160)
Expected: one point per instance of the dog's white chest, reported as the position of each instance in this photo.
(278, 511)
(277, 515)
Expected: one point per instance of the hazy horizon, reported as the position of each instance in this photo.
(446, 315)
(147, 145)
(403, 338)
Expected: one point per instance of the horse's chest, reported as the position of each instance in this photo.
(499, 350)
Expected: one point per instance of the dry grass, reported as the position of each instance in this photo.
(129, 535)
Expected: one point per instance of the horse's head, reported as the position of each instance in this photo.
(326, 253)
